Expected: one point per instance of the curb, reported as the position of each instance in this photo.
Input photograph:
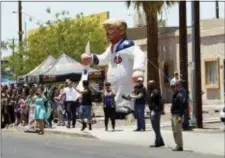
(212, 121)
(87, 134)
(49, 131)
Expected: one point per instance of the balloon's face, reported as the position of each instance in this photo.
(113, 33)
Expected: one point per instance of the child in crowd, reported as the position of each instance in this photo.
(23, 110)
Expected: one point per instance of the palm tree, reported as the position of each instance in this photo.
(151, 9)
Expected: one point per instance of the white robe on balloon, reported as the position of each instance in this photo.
(125, 59)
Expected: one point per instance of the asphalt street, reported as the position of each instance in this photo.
(24, 145)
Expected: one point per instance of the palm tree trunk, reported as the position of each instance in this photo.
(152, 48)
(198, 93)
(183, 43)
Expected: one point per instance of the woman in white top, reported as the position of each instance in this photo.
(71, 96)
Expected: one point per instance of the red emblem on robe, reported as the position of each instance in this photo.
(118, 59)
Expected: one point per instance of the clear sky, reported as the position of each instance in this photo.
(9, 20)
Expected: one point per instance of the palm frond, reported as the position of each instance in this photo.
(136, 4)
(150, 7)
(128, 3)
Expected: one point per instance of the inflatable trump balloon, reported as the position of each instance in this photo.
(125, 61)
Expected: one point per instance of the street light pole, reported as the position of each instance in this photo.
(217, 9)
(20, 21)
(20, 29)
(183, 55)
(13, 52)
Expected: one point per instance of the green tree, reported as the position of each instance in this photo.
(64, 35)
(4, 45)
(151, 9)
(14, 61)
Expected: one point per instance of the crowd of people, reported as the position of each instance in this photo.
(44, 104)
(39, 106)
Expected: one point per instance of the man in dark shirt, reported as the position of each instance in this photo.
(86, 106)
(156, 108)
(139, 95)
(177, 112)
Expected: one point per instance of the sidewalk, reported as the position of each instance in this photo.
(197, 142)
(165, 123)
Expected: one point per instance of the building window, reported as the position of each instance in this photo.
(212, 74)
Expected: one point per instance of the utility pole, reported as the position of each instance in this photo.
(197, 85)
(217, 9)
(20, 21)
(13, 44)
(183, 55)
(20, 33)
(13, 52)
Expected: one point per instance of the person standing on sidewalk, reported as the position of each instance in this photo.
(53, 93)
(10, 106)
(86, 106)
(40, 110)
(177, 112)
(71, 95)
(61, 107)
(174, 79)
(109, 106)
(139, 94)
(4, 105)
(156, 108)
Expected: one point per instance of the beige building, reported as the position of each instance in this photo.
(212, 58)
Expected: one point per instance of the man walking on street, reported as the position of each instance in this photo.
(177, 112)
(156, 108)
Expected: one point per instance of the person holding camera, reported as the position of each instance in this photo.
(109, 106)
(139, 95)
(156, 109)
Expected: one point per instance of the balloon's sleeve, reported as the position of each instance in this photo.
(139, 59)
(102, 59)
